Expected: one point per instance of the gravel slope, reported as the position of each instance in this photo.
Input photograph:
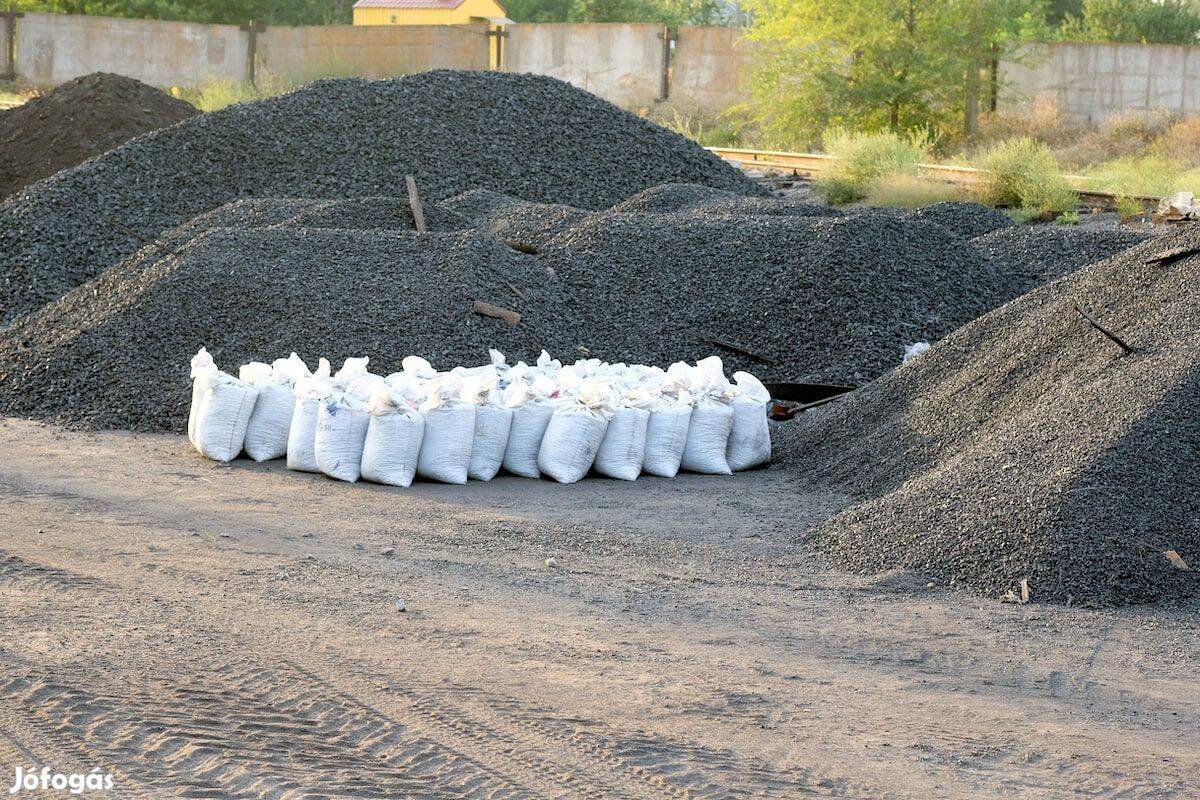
(455, 131)
(1026, 445)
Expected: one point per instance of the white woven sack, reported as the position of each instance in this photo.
(393, 442)
(223, 414)
(623, 449)
(449, 431)
(750, 437)
(202, 363)
(342, 422)
(532, 410)
(574, 434)
(271, 421)
(666, 436)
(492, 426)
(492, 419)
(302, 434)
(708, 435)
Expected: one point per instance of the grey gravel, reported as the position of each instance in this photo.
(114, 352)
(1042, 253)
(671, 197)
(455, 131)
(815, 298)
(968, 220)
(1026, 445)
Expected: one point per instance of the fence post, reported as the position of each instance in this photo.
(10, 42)
(253, 28)
(668, 36)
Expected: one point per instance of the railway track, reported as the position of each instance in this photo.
(806, 166)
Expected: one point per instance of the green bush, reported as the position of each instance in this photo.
(1067, 218)
(1148, 176)
(865, 159)
(1023, 173)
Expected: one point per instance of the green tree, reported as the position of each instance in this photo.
(875, 64)
(1149, 21)
(271, 12)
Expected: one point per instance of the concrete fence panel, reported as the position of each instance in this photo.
(53, 48)
(621, 63)
(711, 67)
(1092, 81)
(376, 51)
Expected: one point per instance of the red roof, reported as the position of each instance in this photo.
(446, 4)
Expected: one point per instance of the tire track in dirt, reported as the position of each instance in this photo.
(641, 765)
(15, 570)
(239, 732)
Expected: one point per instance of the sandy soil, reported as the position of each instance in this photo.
(231, 632)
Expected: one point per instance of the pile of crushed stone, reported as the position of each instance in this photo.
(114, 352)
(517, 221)
(1028, 446)
(80, 119)
(827, 298)
(674, 197)
(1043, 253)
(454, 131)
(811, 298)
(968, 220)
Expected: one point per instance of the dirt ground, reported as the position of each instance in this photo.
(231, 632)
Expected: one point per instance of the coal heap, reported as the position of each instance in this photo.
(80, 119)
(1043, 253)
(673, 197)
(454, 131)
(114, 352)
(526, 224)
(1027, 445)
(812, 298)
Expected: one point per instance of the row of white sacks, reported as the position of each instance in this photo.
(468, 423)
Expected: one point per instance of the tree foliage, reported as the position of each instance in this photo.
(271, 12)
(1149, 21)
(874, 65)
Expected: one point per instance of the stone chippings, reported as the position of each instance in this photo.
(968, 220)
(1025, 445)
(673, 197)
(513, 219)
(454, 131)
(114, 352)
(819, 298)
(78, 120)
(1039, 254)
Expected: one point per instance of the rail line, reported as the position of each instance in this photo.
(806, 166)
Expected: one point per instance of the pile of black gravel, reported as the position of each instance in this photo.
(114, 353)
(1027, 446)
(512, 219)
(968, 220)
(80, 119)
(455, 131)
(373, 213)
(674, 197)
(1042, 253)
(813, 298)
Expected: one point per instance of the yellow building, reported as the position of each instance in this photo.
(428, 12)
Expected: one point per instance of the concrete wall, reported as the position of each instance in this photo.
(376, 51)
(621, 63)
(1091, 81)
(53, 48)
(711, 67)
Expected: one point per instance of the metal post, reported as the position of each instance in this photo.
(252, 48)
(667, 36)
(10, 44)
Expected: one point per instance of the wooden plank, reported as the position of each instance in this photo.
(485, 309)
(414, 202)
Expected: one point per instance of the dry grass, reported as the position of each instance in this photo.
(906, 190)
